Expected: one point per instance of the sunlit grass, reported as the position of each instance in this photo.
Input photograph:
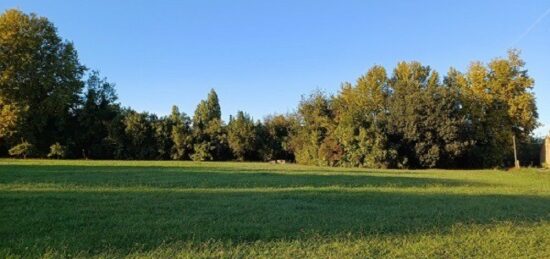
(184, 209)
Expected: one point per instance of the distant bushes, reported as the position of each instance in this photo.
(411, 117)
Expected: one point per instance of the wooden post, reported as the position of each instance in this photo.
(516, 162)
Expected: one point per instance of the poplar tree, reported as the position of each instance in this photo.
(210, 138)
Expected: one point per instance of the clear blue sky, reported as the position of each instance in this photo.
(261, 56)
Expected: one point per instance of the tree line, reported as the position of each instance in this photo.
(53, 106)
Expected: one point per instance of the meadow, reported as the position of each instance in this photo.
(165, 209)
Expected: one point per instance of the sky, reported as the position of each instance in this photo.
(262, 56)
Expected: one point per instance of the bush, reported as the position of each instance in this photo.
(22, 150)
(57, 151)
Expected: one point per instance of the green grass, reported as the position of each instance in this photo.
(184, 209)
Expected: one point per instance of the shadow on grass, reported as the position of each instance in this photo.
(77, 219)
(213, 177)
(92, 222)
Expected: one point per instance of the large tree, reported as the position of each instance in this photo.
(40, 80)
(210, 138)
(181, 135)
(499, 104)
(425, 120)
(241, 136)
(274, 137)
(315, 125)
(139, 131)
(360, 115)
(98, 109)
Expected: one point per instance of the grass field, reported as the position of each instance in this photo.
(185, 209)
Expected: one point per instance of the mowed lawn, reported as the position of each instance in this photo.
(168, 209)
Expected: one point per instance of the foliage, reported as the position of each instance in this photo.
(315, 123)
(202, 152)
(9, 115)
(425, 117)
(361, 121)
(140, 133)
(241, 136)
(22, 149)
(40, 79)
(209, 132)
(274, 136)
(57, 151)
(94, 117)
(181, 135)
(499, 103)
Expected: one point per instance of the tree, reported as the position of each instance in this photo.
(181, 135)
(444, 132)
(207, 111)
(499, 103)
(40, 78)
(208, 130)
(162, 131)
(23, 149)
(425, 119)
(274, 136)
(361, 121)
(411, 119)
(97, 111)
(241, 135)
(315, 123)
(140, 135)
(57, 151)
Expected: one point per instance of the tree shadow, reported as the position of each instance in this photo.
(91, 209)
(213, 177)
(95, 221)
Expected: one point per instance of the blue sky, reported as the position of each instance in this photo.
(261, 56)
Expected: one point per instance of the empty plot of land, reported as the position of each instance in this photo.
(167, 209)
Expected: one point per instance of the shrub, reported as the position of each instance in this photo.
(22, 150)
(57, 151)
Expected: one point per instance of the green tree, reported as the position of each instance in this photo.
(426, 123)
(499, 103)
(162, 130)
(241, 135)
(209, 133)
(405, 108)
(315, 123)
(98, 110)
(360, 115)
(40, 77)
(140, 135)
(207, 111)
(116, 140)
(181, 135)
(274, 137)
